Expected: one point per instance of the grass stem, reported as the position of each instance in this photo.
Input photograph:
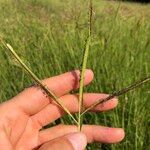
(118, 93)
(84, 64)
(37, 80)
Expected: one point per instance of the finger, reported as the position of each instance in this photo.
(52, 112)
(93, 133)
(33, 100)
(74, 141)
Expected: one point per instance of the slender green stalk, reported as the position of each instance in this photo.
(37, 80)
(118, 93)
(84, 64)
(118, 8)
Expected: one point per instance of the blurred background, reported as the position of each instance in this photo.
(49, 35)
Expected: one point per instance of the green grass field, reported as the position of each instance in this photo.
(50, 36)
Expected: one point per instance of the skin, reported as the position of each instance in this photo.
(23, 117)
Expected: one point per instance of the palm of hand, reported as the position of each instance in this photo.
(19, 130)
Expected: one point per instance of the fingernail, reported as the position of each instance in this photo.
(78, 141)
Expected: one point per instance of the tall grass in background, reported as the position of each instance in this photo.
(50, 35)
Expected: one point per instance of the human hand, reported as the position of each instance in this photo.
(23, 117)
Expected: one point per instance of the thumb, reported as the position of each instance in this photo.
(74, 141)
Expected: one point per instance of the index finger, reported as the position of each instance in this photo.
(32, 99)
